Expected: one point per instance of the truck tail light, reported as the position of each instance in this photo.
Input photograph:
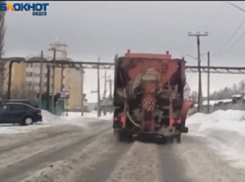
(122, 119)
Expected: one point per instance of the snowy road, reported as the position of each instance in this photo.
(70, 153)
(75, 155)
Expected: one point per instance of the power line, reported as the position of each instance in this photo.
(230, 38)
(238, 7)
(234, 44)
(213, 18)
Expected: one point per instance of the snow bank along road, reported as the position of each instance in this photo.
(68, 153)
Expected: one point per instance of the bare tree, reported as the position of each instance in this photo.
(21, 92)
(2, 33)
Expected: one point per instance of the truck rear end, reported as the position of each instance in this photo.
(149, 96)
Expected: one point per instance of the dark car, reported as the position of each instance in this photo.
(19, 113)
(25, 101)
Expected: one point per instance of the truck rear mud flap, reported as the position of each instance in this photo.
(185, 130)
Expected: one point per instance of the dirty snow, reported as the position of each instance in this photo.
(224, 131)
(141, 163)
(35, 148)
(73, 167)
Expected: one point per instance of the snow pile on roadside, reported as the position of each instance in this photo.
(224, 131)
(50, 118)
(73, 118)
(90, 115)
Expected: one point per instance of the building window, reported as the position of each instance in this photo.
(37, 74)
(28, 74)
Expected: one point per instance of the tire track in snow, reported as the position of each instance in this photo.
(107, 163)
(77, 164)
(45, 136)
(26, 168)
(16, 155)
(171, 167)
(30, 138)
(141, 163)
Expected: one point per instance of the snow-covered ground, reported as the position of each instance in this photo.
(83, 148)
(73, 118)
(223, 131)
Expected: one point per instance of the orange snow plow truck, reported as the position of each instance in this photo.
(149, 97)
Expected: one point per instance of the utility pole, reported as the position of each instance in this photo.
(198, 35)
(110, 83)
(243, 87)
(41, 81)
(82, 100)
(32, 83)
(208, 81)
(48, 86)
(61, 77)
(53, 80)
(2, 62)
(105, 86)
(98, 88)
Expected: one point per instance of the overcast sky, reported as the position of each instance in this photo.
(93, 29)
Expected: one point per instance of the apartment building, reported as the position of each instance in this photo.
(27, 77)
(33, 77)
(69, 79)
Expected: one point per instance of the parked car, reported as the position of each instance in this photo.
(26, 101)
(19, 113)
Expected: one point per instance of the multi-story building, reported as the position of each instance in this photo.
(27, 77)
(33, 77)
